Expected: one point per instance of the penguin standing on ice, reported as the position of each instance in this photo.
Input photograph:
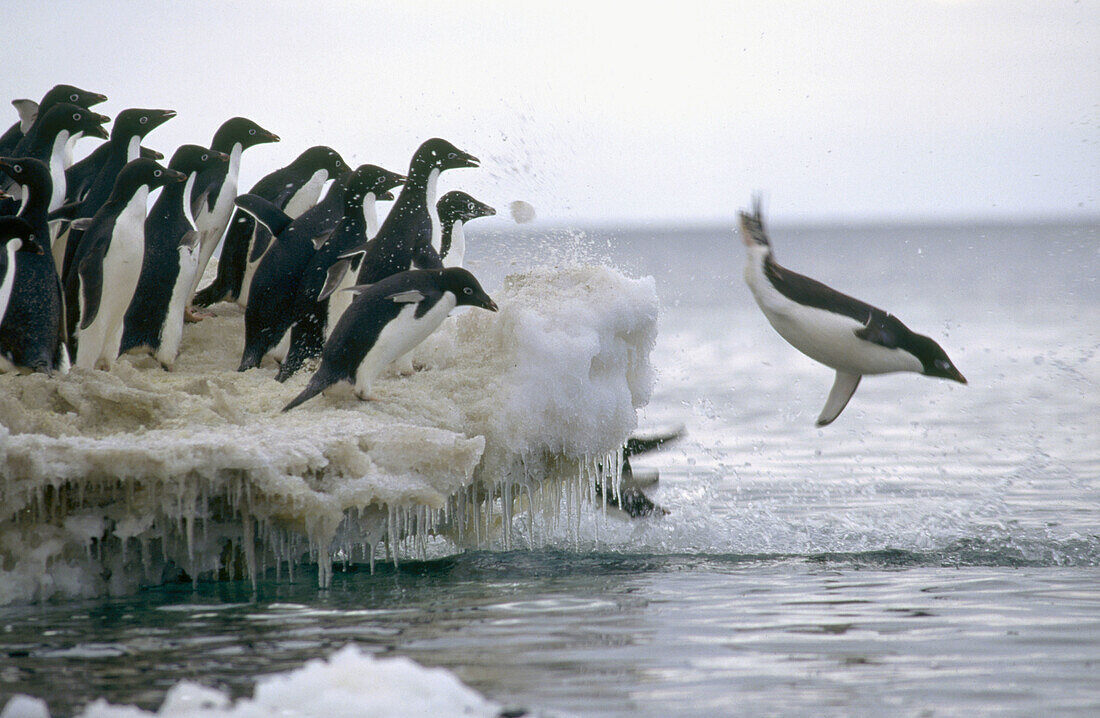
(269, 313)
(455, 209)
(211, 215)
(405, 239)
(311, 312)
(32, 333)
(16, 238)
(107, 264)
(832, 328)
(154, 320)
(386, 321)
(293, 189)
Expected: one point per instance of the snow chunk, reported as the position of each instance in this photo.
(139, 474)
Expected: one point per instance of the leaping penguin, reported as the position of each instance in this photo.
(832, 328)
(387, 320)
(107, 264)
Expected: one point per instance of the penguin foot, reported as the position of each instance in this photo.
(193, 316)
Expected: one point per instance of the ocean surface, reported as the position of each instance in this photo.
(934, 552)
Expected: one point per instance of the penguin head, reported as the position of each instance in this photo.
(242, 131)
(372, 178)
(752, 226)
(67, 116)
(17, 229)
(193, 158)
(933, 358)
(440, 154)
(146, 172)
(319, 158)
(459, 206)
(27, 171)
(72, 95)
(466, 288)
(139, 121)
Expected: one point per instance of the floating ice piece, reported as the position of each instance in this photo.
(522, 212)
(141, 474)
(350, 684)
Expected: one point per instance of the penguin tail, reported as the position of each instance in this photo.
(286, 370)
(212, 294)
(250, 360)
(313, 389)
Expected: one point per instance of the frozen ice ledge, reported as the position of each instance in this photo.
(111, 481)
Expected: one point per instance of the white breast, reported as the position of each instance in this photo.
(433, 212)
(821, 335)
(172, 329)
(402, 334)
(458, 246)
(307, 195)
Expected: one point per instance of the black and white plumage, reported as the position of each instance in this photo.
(31, 112)
(107, 264)
(32, 333)
(269, 313)
(386, 320)
(293, 189)
(16, 242)
(405, 239)
(130, 128)
(154, 320)
(456, 208)
(212, 214)
(834, 329)
(318, 289)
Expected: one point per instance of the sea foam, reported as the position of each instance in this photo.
(115, 480)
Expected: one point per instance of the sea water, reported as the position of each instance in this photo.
(935, 551)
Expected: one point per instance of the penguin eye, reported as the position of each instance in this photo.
(73, 97)
(467, 290)
(17, 168)
(156, 173)
(451, 155)
(76, 116)
(205, 158)
(143, 120)
(252, 132)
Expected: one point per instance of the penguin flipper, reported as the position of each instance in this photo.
(191, 239)
(265, 212)
(357, 250)
(843, 387)
(319, 240)
(333, 278)
(90, 274)
(410, 296)
(318, 383)
(427, 258)
(261, 240)
(28, 113)
(883, 329)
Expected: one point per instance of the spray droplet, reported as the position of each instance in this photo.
(522, 212)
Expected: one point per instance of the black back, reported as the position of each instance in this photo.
(405, 238)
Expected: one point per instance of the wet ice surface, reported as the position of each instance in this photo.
(934, 551)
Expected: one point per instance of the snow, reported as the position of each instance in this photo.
(139, 473)
(350, 683)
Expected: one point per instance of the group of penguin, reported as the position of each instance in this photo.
(88, 271)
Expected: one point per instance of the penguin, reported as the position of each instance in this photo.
(455, 209)
(212, 215)
(832, 328)
(154, 319)
(108, 262)
(30, 112)
(80, 175)
(130, 128)
(16, 240)
(49, 137)
(293, 189)
(268, 314)
(311, 305)
(32, 334)
(386, 320)
(405, 239)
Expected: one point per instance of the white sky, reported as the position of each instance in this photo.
(621, 112)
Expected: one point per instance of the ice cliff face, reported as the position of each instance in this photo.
(113, 480)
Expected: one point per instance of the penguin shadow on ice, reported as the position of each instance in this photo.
(834, 329)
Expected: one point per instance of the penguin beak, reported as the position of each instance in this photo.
(171, 175)
(956, 375)
(489, 304)
(96, 98)
(271, 136)
(97, 131)
(385, 196)
(470, 160)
